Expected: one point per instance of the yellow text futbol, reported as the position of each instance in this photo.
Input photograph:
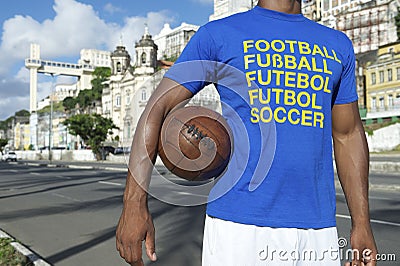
(280, 63)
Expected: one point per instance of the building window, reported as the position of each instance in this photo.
(381, 103)
(398, 73)
(381, 76)
(396, 102)
(373, 78)
(143, 58)
(390, 76)
(118, 101)
(118, 66)
(390, 101)
(144, 95)
(373, 103)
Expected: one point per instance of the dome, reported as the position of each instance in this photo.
(120, 51)
(146, 40)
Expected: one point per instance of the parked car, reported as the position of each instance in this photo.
(118, 150)
(10, 156)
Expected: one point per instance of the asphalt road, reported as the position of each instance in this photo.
(68, 216)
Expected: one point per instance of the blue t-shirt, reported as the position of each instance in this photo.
(278, 76)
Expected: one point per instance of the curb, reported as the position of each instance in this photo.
(32, 256)
(384, 166)
(162, 169)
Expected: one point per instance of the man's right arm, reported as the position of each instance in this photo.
(136, 224)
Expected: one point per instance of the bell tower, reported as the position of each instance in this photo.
(120, 60)
(146, 55)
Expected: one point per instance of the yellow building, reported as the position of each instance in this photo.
(22, 136)
(383, 83)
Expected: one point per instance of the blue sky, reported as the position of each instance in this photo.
(64, 27)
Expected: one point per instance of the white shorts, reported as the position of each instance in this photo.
(227, 243)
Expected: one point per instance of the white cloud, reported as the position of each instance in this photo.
(9, 106)
(75, 26)
(14, 96)
(134, 28)
(110, 8)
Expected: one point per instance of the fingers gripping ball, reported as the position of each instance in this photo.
(195, 143)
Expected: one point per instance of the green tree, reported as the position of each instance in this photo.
(172, 58)
(22, 113)
(3, 143)
(3, 125)
(93, 129)
(100, 75)
(57, 107)
(86, 99)
(69, 103)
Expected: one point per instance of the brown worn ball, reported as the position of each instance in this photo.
(195, 143)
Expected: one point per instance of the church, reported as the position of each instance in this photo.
(130, 87)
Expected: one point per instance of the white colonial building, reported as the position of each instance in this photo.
(97, 58)
(224, 8)
(170, 42)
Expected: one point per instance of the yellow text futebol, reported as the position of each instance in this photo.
(292, 75)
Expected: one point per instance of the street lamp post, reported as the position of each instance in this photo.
(51, 121)
(51, 112)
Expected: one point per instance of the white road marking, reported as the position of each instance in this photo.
(33, 173)
(372, 220)
(63, 177)
(81, 167)
(379, 198)
(65, 197)
(33, 164)
(110, 183)
(114, 169)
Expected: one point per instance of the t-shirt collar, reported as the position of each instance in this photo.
(278, 15)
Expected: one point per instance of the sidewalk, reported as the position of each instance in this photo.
(385, 162)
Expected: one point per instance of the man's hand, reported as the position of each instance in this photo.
(362, 241)
(135, 226)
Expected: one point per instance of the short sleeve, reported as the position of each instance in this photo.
(195, 67)
(346, 91)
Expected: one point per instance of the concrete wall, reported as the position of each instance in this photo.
(57, 155)
(384, 139)
(124, 158)
(76, 155)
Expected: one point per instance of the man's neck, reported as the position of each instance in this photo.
(285, 6)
